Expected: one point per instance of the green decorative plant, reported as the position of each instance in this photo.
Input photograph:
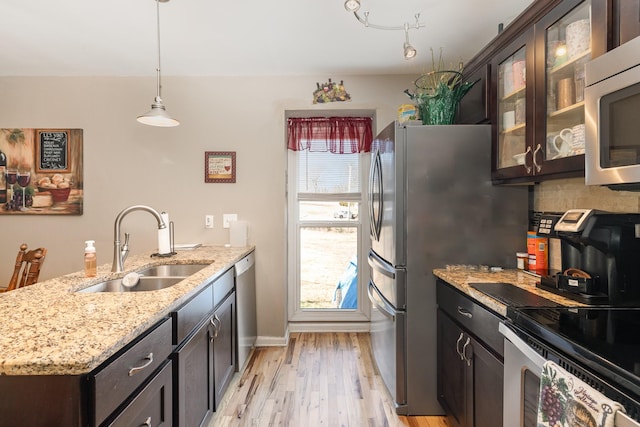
(438, 92)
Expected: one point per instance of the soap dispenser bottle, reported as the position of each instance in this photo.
(90, 259)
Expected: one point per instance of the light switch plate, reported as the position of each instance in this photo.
(208, 221)
(227, 218)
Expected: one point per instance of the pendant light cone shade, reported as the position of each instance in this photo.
(158, 115)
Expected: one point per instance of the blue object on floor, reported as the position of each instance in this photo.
(348, 284)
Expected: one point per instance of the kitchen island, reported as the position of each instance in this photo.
(51, 329)
(86, 358)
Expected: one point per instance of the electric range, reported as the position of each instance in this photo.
(604, 340)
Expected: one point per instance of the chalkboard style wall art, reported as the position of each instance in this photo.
(41, 172)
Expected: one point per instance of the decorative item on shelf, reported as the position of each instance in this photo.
(438, 93)
(330, 92)
(565, 93)
(578, 38)
(407, 112)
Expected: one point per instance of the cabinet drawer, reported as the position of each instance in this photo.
(187, 317)
(113, 383)
(222, 286)
(476, 319)
(152, 405)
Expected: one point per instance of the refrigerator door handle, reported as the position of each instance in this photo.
(375, 186)
(379, 301)
(380, 265)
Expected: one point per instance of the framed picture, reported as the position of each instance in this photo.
(220, 166)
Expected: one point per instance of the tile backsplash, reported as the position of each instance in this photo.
(560, 195)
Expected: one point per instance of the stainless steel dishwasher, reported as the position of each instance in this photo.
(246, 308)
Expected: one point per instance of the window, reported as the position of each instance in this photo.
(327, 168)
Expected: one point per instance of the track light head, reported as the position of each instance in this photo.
(352, 5)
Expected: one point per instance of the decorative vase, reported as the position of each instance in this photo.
(438, 105)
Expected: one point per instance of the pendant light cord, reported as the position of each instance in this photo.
(158, 28)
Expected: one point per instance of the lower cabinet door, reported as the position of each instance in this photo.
(224, 355)
(194, 376)
(452, 372)
(488, 380)
(152, 406)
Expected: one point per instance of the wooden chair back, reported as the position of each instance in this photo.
(27, 268)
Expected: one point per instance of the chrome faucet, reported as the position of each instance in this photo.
(120, 253)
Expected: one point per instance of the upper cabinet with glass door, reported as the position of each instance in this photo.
(563, 46)
(512, 117)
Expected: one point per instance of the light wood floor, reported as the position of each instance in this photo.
(320, 379)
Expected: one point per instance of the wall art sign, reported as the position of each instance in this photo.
(52, 151)
(220, 166)
(43, 174)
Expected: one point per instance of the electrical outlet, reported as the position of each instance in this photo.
(208, 221)
(227, 218)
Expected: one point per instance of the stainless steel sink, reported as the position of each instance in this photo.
(145, 284)
(172, 270)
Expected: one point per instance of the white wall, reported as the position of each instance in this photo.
(127, 163)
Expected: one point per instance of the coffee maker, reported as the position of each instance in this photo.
(599, 258)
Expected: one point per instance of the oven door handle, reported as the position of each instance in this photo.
(521, 345)
(623, 420)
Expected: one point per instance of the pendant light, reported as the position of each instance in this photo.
(158, 115)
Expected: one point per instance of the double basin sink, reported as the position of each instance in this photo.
(149, 279)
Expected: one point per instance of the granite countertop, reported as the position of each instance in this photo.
(50, 329)
(460, 278)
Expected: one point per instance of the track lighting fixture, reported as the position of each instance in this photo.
(408, 50)
(158, 115)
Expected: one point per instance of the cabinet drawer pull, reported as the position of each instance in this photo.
(137, 369)
(458, 346)
(464, 351)
(146, 423)
(464, 312)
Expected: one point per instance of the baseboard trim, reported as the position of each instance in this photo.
(273, 341)
(264, 341)
(329, 327)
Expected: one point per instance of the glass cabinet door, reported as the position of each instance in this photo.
(511, 119)
(567, 49)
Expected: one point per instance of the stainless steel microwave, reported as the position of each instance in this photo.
(612, 117)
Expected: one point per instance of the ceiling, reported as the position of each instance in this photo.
(244, 38)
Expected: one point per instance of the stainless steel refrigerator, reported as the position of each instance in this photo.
(431, 203)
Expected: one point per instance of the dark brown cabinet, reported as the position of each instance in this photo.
(535, 84)
(224, 349)
(204, 360)
(119, 381)
(194, 377)
(152, 406)
(470, 368)
(539, 92)
(475, 106)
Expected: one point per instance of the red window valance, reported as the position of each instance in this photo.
(342, 135)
